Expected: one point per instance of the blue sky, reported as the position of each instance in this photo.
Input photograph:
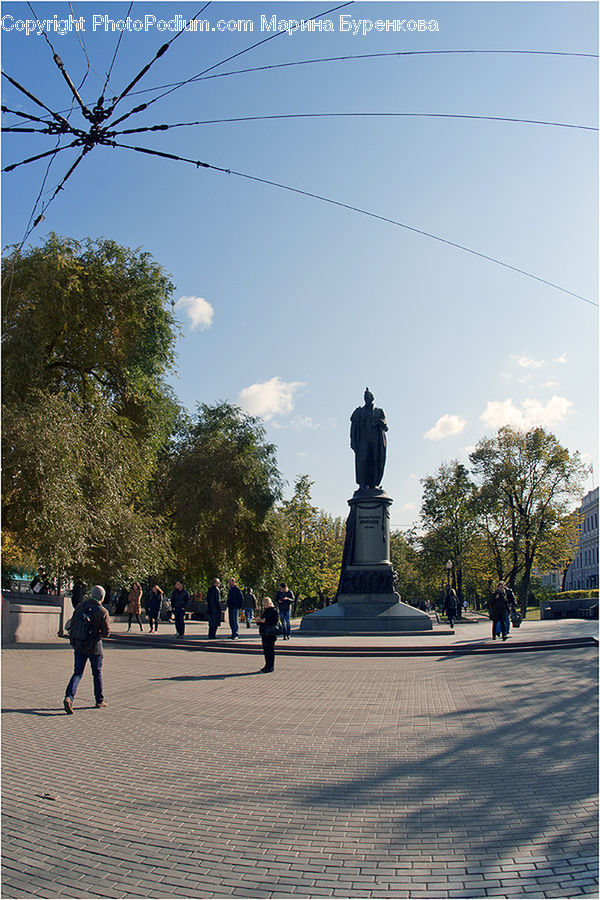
(290, 306)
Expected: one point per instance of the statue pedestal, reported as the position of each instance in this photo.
(367, 602)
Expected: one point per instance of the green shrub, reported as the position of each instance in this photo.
(576, 595)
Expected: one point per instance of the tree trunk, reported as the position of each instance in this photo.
(459, 591)
(524, 592)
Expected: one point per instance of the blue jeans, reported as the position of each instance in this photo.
(506, 625)
(96, 664)
(285, 622)
(249, 613)
(234, 621)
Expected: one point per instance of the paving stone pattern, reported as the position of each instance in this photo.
(356, 777)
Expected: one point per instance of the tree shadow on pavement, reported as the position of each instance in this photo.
(521, 771)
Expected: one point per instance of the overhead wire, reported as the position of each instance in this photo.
(29, 228)
(333, 115)
(357, 209)
(193, 78)
(110, 68)
(84, 50)
(57, 116)
(206, 74)
(23, 115)
(8, 130)
(304, 62)
(355, 56)
(40, 156)
(160, 52)
(61, 67)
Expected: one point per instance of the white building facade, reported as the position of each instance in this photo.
(583, 571)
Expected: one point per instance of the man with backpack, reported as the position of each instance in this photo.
(88, 626)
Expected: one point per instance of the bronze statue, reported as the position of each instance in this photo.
(368, 440)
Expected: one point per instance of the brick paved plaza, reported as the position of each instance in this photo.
(434, 776)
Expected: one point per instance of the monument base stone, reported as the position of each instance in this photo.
(367, 602)
(374, 615)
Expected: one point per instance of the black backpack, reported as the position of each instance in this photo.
(84, 632)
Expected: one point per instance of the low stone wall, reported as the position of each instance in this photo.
(573, 608)
(27, 619)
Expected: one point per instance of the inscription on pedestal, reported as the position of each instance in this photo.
(371, 545)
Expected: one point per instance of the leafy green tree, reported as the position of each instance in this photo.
(559, 545)
(329, 540)
(300, 547)
(218, 486)
(87, 340)
(413, 584)
(447, 515)
(535, 480)
(313, 545)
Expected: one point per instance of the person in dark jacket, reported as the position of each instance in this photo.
(154, 604)
(78, 592)
(267, 627)
(249, 606)
(235, 602)
(499, 610)
(283, 601)
(180, 600)
(213, 607)
(451, 606)
(92, 651)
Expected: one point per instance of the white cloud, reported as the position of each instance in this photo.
(409, 507)
(271, 398)
(301, 423)
(528, 362)
(446, 426)
(198, 310)
(531, 413)
(561, 359)
(550, 384)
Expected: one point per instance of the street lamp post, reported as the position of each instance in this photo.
(448, 570)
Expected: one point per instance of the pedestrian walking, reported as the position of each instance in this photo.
(213, 607)
(235, 602)
(134, 604)
(284, 599)
(249, 606)
(499, 610)
(180, 600)
(268, 629)
(154, 603)
(451, 606)
(88, 626)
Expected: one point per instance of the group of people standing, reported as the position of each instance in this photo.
(90, 623)
(502, 609)
(237, 601)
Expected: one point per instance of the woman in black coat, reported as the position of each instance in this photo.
(154, 604)
(267, 626)
(499, 610)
